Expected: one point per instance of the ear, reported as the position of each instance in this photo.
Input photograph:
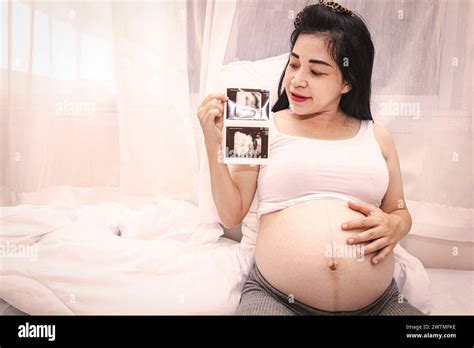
(347, 88)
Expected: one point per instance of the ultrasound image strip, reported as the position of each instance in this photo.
(246, 126)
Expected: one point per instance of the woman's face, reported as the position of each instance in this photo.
(313, 76)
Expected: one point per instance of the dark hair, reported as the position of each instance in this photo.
(348, 41)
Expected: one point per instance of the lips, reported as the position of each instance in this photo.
(298, 98)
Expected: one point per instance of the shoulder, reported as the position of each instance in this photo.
(381, 133)
(385, 140)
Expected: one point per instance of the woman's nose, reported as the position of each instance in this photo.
(298, 81)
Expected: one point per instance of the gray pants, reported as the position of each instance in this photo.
(261, 298)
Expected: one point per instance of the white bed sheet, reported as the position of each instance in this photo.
(452, 291)
(164, 262)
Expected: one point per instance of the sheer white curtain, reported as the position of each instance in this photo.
(95, 102)
(98, 98)
(158, 154)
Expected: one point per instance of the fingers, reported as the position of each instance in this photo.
(214, 105)
(208, 111)
(376, 245)
(382, 254)
(367, 209)
(213, 113)
(219, 123)
(219, 96)
(365, 236)
(360, 223)
(209, 116)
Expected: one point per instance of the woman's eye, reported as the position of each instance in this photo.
(294, 66)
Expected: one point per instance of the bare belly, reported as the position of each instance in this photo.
(296, 247)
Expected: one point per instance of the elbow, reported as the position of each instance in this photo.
(409, 222)
(228, 224)
(230, 220)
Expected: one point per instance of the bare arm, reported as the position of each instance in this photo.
(232, 190)
(393, 202)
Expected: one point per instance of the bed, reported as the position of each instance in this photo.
(110, 259)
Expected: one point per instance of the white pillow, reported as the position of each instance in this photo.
(246, 74)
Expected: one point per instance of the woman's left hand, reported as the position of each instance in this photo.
(381, 230)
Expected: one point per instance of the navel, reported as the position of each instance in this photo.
(333, 264)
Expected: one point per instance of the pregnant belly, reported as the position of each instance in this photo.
(302, 251)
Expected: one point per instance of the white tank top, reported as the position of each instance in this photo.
(301, 169)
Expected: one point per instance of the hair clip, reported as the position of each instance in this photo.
(334, 6)
(298, 18)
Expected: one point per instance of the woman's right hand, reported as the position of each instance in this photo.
(210, 114)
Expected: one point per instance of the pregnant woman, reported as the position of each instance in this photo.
(330, 166)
